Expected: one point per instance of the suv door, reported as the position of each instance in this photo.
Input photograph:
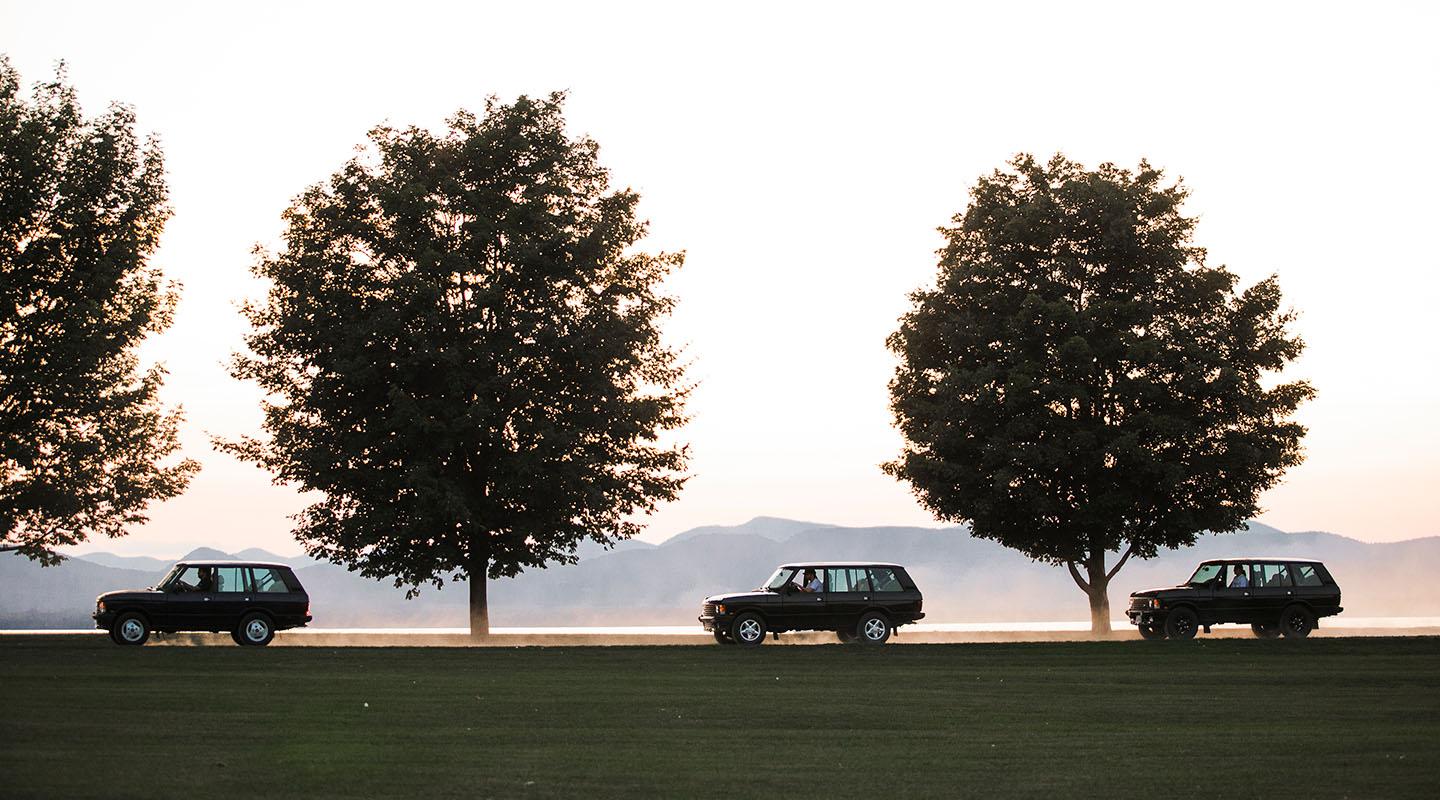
(805, 611)
(849, 596)
(230, 598)
(1273, 590)
(1233, 603)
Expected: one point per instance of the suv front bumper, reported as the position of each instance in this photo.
(1147, 616)
(720, 622)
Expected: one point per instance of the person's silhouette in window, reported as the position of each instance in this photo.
(207, 580)
(812, 582)
(1240, 581)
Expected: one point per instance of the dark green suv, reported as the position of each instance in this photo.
(860, 602)
(1275, 596)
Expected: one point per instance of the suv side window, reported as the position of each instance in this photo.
(269, 580)
(231, 579)
(885, 580)
(1306, 575)
(1273, 575)
(848, 579)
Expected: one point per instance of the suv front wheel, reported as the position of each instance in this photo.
(874, 628)
(1181, 624)
(130, 629)
(748, 630)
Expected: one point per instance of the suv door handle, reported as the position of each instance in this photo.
(819, 599)
(866, 597)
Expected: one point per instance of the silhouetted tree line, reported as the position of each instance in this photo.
(461, 353)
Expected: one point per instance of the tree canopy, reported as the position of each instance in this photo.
(462, 352)
(85, 443)
(1080, 382)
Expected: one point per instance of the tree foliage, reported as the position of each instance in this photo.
(463, 355)
(1080, 381)
(84, 440)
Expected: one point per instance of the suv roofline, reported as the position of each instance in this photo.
(841, 564)
(1248, 559)
(220, 562)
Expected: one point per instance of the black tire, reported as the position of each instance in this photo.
(255, 630)
(1182, 623)
(845, 637)
(1152, 632)
(748, 630)
(1265, 630)
(1296, 622)
(874, 629)
(130, 629)
(722, 637)
(235, 637)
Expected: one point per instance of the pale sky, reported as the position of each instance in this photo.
(803, 155)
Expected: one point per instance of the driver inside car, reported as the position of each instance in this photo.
(812, 582)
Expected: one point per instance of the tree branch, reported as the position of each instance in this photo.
(1079, 581)
(1120, 563)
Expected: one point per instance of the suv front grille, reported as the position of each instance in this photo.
(707, 610)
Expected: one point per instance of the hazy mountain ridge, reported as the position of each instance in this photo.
(964, 578)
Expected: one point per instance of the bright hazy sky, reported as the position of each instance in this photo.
(803, 154)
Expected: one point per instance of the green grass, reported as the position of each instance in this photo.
(1221, 718)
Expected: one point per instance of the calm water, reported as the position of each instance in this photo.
(694, 630)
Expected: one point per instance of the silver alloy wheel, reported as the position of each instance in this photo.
(875, 629)
(132, 630)
(257, 630)
(750, 630)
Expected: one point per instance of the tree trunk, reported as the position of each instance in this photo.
(1099, 602)
(1097, 587)
(1099, 592)
(479, 603)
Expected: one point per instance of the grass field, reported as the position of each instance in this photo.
(80, 717)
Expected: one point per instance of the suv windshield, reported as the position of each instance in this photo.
(1205, 574)
(169, 576)
(779, 579)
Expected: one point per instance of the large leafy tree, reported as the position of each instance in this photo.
(1080, 382)
(462, 354)
(85, 443)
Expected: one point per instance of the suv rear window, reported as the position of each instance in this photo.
(1306, 575)
(885, 580)
(269, 580)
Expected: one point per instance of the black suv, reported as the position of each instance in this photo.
(861, 602)
(1277, 596)
(251, 600)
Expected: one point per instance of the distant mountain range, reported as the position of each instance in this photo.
(964, 579)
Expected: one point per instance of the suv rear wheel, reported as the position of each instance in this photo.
(255, 630)
(1296, 622)
(748, 630)
(1181, 624)
(1265, 630)
(874, 628)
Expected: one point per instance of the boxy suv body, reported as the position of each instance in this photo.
(1275, 596)
(250, 599)
(861, 601)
